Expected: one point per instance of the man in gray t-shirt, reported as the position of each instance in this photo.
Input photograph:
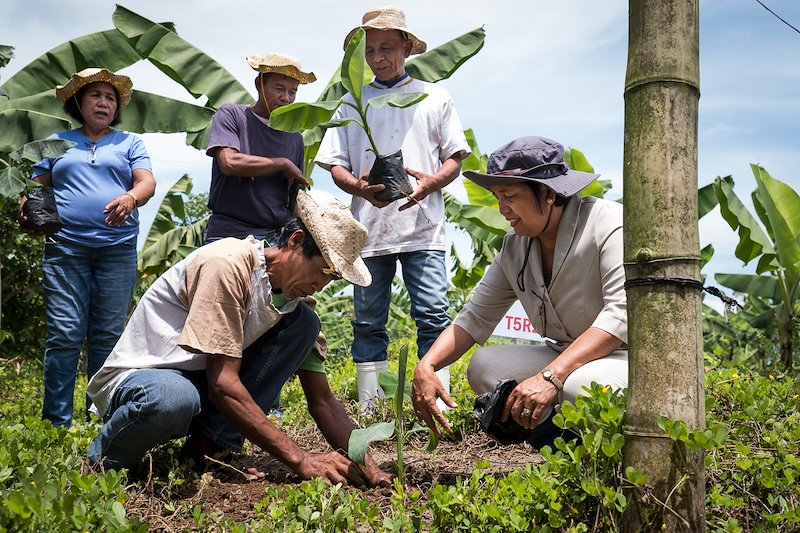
(255, 166)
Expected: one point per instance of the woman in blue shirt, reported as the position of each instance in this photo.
(89, 266)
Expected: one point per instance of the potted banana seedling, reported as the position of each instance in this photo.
(388, 169)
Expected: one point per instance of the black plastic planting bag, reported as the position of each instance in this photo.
(488, 410)
(389, 170)
(41, 212)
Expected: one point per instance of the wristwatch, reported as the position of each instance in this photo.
(552, 378)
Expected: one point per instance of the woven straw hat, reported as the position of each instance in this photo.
(387, 18)
(281, 64)
(122, 84)
(340, 237)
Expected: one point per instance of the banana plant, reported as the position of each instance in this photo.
(361, 438)
(168, 240)
(434, 65)
(32, 112)
(15, 172)
(302, 116)
(776, 246)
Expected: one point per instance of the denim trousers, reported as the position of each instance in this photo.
(152, 406)
(425, 277)
(87, 296)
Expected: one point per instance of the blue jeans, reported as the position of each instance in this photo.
(425, 277)
(152, 406)
(87, 296)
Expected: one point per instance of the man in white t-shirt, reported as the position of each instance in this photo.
(214, 338)
(411, 230)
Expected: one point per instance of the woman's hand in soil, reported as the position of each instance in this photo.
(529, 402)
(367, 191)
(425, 389)
(331, 466)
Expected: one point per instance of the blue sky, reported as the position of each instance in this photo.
(551, 68)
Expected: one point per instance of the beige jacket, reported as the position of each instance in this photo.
(587, 285)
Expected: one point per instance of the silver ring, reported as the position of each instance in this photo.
(526, 412)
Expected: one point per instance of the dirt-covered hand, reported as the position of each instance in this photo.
(425, 389)
(529, 400)
(375, 476)
(331, 466)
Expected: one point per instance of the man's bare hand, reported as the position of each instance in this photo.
(367, 191)
(294, 174)
(426, 184)
(331, 466)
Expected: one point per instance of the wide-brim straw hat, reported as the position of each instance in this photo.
(536, 159)
(339, 236)
(281, 64)
(388, 18)
(122, 84)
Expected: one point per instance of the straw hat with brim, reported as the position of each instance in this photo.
(122, 84)
(532, 159)
(340, 237)
(388, 18)
(281, 64)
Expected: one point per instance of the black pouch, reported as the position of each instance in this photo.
(488, 410)
(389, 170)
(41, 212)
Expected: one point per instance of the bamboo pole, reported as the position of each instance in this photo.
(662, 263)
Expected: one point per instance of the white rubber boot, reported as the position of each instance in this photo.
(444, 376)
(369, 388)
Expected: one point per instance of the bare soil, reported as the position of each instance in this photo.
(225, 489)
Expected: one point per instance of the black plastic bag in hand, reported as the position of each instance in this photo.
(389, 170)
(488, 410)
(40, 211)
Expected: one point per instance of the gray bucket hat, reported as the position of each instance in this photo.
(532, 159)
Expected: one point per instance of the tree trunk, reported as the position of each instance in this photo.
(662, 263)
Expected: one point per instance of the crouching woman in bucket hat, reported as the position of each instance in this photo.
(563, 262)
(89, 265)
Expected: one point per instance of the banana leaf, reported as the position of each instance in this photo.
(24, 125)
(753, 242)
(476, 159)
(153, 113)
(434, 65)
(401, 101)
(35, 151)
(12, 182)
(193, 69)
(441, 62)
(354, 66)
(707, 198)
(781, 206)
(6, 53)
(301, 116)
(107, 49)
(166, 242)
(706, 254)
(761, 286)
